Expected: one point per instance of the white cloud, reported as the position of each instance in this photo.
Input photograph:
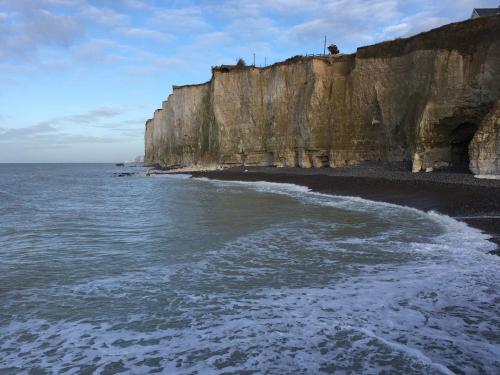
(181, 19)
(30, 28)
(157, 65)
(91, 116)
(137, 32)
(29, 25)
(49, 28)
(413, 25)
(255, 28)
(343, 11)
(260, 8)
(213, 38)
(94, 115)
(103, 16)
(27, 132)
(67, 3)
(431, 15)
(139, 4)
(97, 51)
(344, 22)
(65, 130)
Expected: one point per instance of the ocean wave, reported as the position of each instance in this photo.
(454, 230)
(172, 176)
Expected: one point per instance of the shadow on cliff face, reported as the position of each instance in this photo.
(460, 137)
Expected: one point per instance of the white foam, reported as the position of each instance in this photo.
(478, 217)
(172, 176)
(412, 352)
(487, 176)
(459, 236)
(455, 230)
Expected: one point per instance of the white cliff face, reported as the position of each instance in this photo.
(420, 99)
(179, 133)
(484, 149)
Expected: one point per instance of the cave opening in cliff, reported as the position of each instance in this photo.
(460, 138)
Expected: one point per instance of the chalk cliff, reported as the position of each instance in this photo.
(431, 99)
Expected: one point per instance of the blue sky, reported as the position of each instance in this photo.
(78, 78)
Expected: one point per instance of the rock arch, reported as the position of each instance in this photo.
(443, 143)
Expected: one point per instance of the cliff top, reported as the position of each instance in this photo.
(290, 60)
(176, 87)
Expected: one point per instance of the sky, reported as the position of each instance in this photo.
(79, 78)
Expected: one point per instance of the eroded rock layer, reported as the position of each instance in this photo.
(421, 99)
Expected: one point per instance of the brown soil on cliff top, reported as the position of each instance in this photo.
(477, 202)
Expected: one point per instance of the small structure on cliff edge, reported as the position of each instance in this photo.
(485, 12)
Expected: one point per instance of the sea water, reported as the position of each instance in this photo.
(175, 275)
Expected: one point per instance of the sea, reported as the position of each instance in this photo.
(101, 274)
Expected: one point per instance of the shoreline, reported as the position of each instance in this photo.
(458, 195)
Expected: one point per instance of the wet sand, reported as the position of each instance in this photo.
(459, 195)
